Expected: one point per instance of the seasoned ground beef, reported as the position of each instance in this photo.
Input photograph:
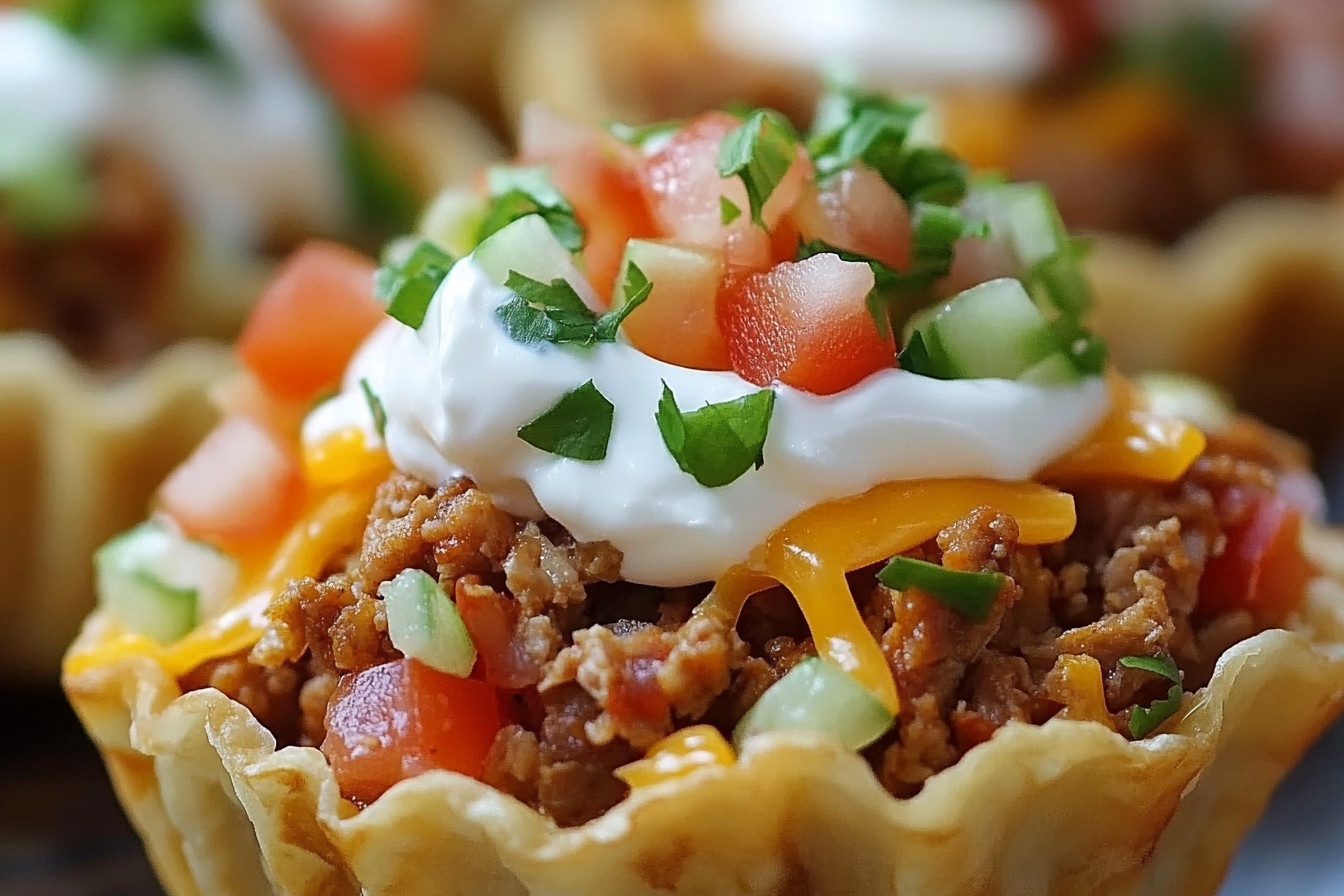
(93, 286)
(601, 669)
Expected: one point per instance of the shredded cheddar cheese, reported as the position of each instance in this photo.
(344, 457)
(677, 755)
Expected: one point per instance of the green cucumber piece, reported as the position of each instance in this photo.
(817, 696)
(993, 330)
(159, 583)
(453, 219)
(425, 625)
(528, 247)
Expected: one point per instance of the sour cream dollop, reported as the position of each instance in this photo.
(456, 391)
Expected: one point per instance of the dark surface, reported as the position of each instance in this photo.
(61, 830)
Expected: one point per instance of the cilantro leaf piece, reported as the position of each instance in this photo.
(376, 408)
(518, 192)
(759, 152)
(546, 312)
(577, 426)
(1144, 719)
(634, 291)
(972, 594)
(554, 312)
(407, 284)
(728, 211)
(717, 443)
(640, 136)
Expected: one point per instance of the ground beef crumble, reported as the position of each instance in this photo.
(602, 669)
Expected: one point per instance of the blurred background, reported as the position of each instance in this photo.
(157, 157)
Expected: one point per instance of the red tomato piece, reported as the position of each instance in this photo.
(677, 322)
(806, 324)
(1262, 568)
(368, 54)
(857, 210)
(401, 719)
(491, 619)
(684, 189)
(309, 321)
(596, 173)
(241, 484)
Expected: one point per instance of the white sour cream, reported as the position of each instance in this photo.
(910, 42)
(245, 143)
(456, 391)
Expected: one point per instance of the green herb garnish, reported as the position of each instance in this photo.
(554, 312)
(717, 443)
(577, 426)
(972, 594)
(382, 197)
(131, 28)
(518, 192)
(728, 211)
(376, 409)
(759, 152)
(1143, 719)
(408, 284)
(640, 136)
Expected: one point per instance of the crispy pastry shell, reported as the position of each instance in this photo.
(1065, 808)
(79, 457)
(1253, 300)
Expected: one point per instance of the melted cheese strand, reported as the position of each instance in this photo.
(677, 755)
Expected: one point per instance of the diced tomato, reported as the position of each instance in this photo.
(368, 53)
(596, 173)
(806, 324)
(401, 719)
(677, 322)
(1262, 568)
(857, 210)
(683, 186)
(241, 484)
(491, 618)
(243, 395)
(310, 320)
(1079, 30)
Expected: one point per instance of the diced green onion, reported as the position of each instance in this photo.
(1144, 719)
(817, 696)
(971, 594)
(159, 583)
(425, 625)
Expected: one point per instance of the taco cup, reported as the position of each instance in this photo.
(630, 556)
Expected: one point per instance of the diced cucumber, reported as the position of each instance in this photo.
(159, 583)
(528, 247)
(425, 625)
(453, 219)
(817, 696)
(1023, 215)
(676, 272)
(1055, 370)
(990, 330)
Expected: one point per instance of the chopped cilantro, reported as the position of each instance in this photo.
(1144, 719)
(376, 408)
(717, 443)
(759, 152)
(554, 312)
(577, 426)
(641, 136)
(635, 290)
(407, 284)
(131, 28)
(728, 211)
(853, 125)
(972, 594)
(518, 192)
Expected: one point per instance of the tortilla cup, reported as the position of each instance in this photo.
(79, 457)
(1252, 301)
(1067, 807)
